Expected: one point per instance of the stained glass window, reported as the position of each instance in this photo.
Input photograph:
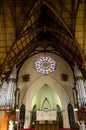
(45, 65)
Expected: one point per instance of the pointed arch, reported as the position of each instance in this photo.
(46, 104)
(22, 114)
(59, 116)
(33, 116)
(71, 116)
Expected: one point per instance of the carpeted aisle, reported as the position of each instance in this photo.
(59, 129)
(65, 129)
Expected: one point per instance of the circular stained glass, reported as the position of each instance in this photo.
(45, 65)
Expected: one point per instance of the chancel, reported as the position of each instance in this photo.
(46, 119)
(42, 64)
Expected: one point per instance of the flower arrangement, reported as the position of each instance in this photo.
(12, 119)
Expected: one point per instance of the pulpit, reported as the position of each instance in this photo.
(46, 120)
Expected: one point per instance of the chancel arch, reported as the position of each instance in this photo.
(53, 81)
(46, 98)
(30, 102)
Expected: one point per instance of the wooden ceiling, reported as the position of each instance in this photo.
(26, 25)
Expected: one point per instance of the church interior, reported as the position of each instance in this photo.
(42, 65)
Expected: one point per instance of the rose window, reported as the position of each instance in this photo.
(45, 65)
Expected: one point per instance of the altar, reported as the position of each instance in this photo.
(43, 115)
(46, 120)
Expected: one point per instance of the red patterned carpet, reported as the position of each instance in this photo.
(59, 129)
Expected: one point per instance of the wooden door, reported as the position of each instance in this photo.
(3, 120)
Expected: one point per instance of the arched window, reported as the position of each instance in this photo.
(71, 116)
(22, 114)
(33, 117)
(46, 104)
(59, 116)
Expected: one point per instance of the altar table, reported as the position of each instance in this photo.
(46, 125)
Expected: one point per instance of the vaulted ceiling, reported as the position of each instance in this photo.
(26, 25)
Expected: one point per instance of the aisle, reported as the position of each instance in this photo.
(59, 129)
